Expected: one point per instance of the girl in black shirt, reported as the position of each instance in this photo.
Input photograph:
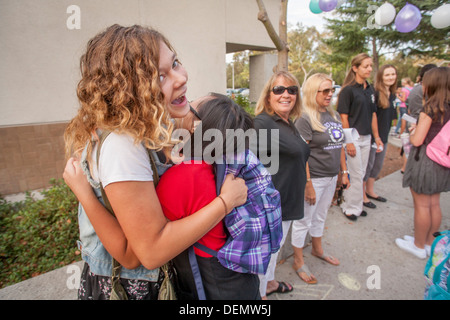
(356, 106)
(385, 88)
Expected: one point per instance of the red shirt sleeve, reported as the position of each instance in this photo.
(186, 188)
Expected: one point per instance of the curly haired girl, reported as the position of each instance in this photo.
(131, 85)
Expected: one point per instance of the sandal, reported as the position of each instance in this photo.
(326, 257)
(305, 269)
(282, 288)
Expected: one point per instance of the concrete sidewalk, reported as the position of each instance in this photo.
(372, 267)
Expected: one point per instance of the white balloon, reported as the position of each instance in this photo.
(385, 14)
(441, 17)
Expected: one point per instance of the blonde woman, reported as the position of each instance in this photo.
(278, 104)
(321, 127)
(132, 84)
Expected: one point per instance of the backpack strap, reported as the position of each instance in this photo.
(102, 138)
(205, 249)
(220, 174)
(196, 274)
(195, 268)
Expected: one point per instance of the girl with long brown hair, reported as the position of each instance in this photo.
(426, 178)
(385, 88)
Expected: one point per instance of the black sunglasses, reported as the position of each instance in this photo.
(327, 91)
(280, 90)
(195, 112)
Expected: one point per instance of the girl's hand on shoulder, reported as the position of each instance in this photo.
(76, 180)
(234, 191)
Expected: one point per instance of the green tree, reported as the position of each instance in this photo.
(241, 72)
(354, 31)
(279, 39)
(305, 51)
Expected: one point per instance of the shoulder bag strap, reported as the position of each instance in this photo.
(102, 138)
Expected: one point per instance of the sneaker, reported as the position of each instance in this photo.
(411, 248)
(411, 239)
(408, 238)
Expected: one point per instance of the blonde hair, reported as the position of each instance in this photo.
(310, 106)
(263, 101)
(407, 81)
(119, 89)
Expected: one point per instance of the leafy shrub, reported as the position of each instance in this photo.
(37, 236)
(244, 102)
(241, 100)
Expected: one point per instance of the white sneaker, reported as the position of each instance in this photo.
(408, 238)
(411, 248)
(411, 239)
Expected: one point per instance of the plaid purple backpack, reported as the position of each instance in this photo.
(254, 229)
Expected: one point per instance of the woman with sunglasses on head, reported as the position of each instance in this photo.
(132, 85)
(356, 106)
(278, 104)
(322, 129)
(385, 90)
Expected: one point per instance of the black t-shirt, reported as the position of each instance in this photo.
(290, 179)
(385, 117)
(359, 103)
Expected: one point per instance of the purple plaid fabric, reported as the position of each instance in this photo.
(255, 227)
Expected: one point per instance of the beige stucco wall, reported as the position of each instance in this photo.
(261, 69)
(39, 54)
(243, 29)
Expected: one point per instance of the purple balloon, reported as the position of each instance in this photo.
(408, 18)
(327, 5)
